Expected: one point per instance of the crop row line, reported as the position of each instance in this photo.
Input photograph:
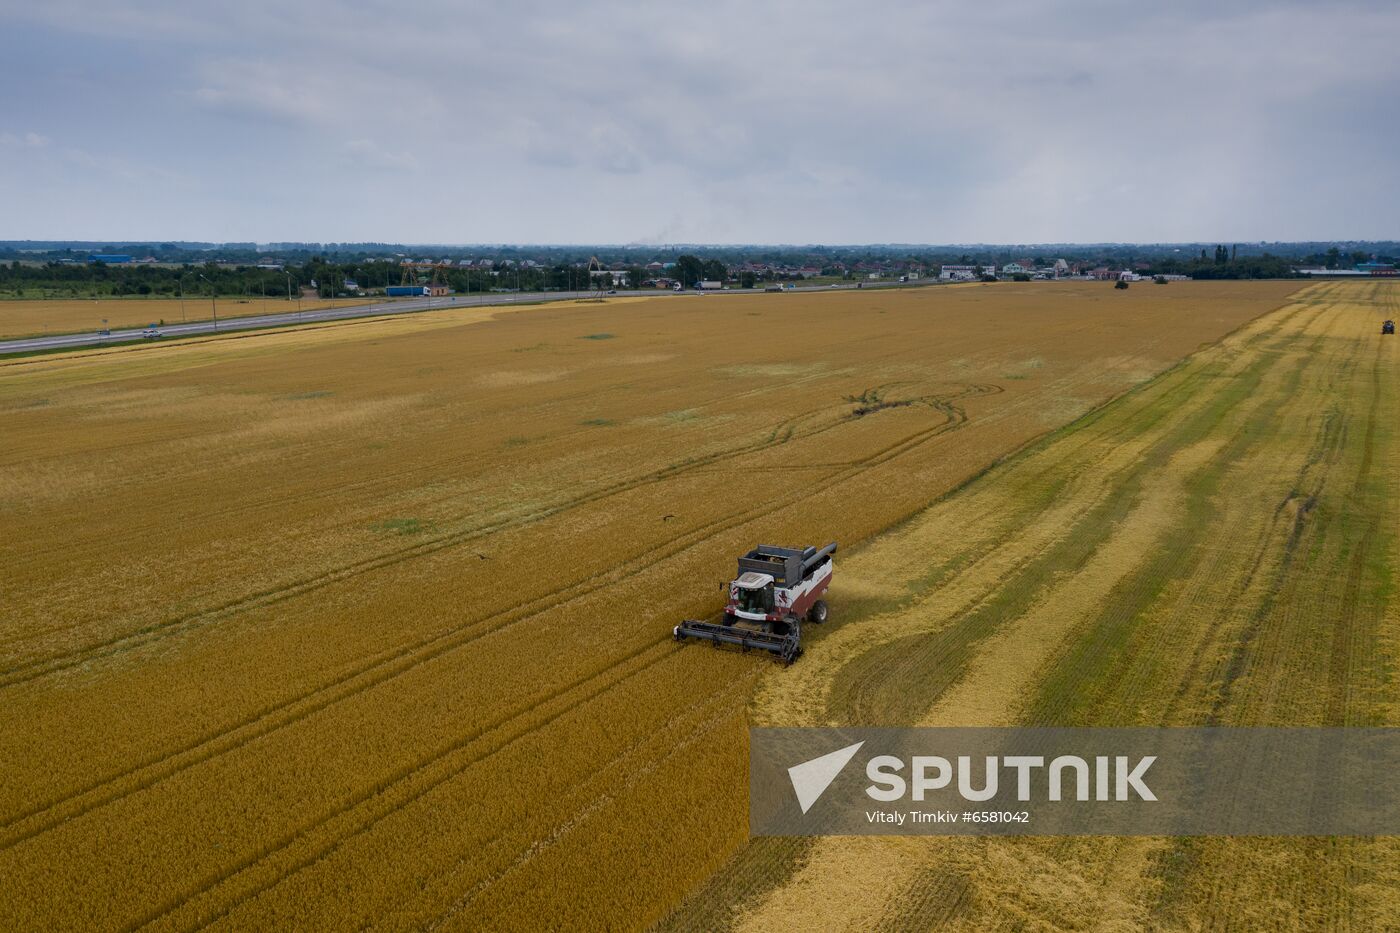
(42, 817)
(893, 450)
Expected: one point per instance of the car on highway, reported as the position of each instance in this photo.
(150, 333)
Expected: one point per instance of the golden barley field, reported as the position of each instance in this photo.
(1218, 547)
(368, 623)
(34, 317)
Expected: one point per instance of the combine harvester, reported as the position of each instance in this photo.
(776, 589)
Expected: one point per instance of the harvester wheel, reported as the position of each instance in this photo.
(817, 614)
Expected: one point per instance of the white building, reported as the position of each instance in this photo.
(959, 273)
(616, 276)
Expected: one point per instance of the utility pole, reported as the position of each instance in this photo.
(213, 303)
(289, 292)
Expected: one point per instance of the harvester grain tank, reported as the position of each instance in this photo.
(775, 591)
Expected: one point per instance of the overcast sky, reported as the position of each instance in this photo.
(720, 122)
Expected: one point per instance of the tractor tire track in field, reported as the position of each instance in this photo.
(955, 419)
(783, 432)
(1351, 670)
(40, 667)
(1102, 643)
(1090, 680)
(1350, 637)
(558, 705)
(37, 819)
(1129, 644)
(1308, 488)
(1168, 400)
(1315, 528)
(1080, 686)
(880, 686)
(1100, 655)
(310, 835)
(903, 872)
(715, 701)
(756, 861)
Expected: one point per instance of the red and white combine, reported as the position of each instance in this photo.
(777, 589)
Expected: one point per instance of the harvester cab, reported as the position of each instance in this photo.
(1388, 327)
(751, 594)
(774, 592)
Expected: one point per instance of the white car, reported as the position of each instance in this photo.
(150, 333)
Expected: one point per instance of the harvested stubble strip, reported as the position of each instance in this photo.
(1310, 432)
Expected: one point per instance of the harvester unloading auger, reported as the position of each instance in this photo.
(777, 589)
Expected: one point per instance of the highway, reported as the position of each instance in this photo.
(374, 309)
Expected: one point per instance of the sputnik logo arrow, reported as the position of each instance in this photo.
(811, 778)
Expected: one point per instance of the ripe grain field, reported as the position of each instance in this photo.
(40, 317)
(1218, 547)
(368, 623)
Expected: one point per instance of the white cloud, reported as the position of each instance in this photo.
(259, 91)
(366, 153)
(28, 140)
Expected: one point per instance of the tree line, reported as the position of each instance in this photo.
(98, 280)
